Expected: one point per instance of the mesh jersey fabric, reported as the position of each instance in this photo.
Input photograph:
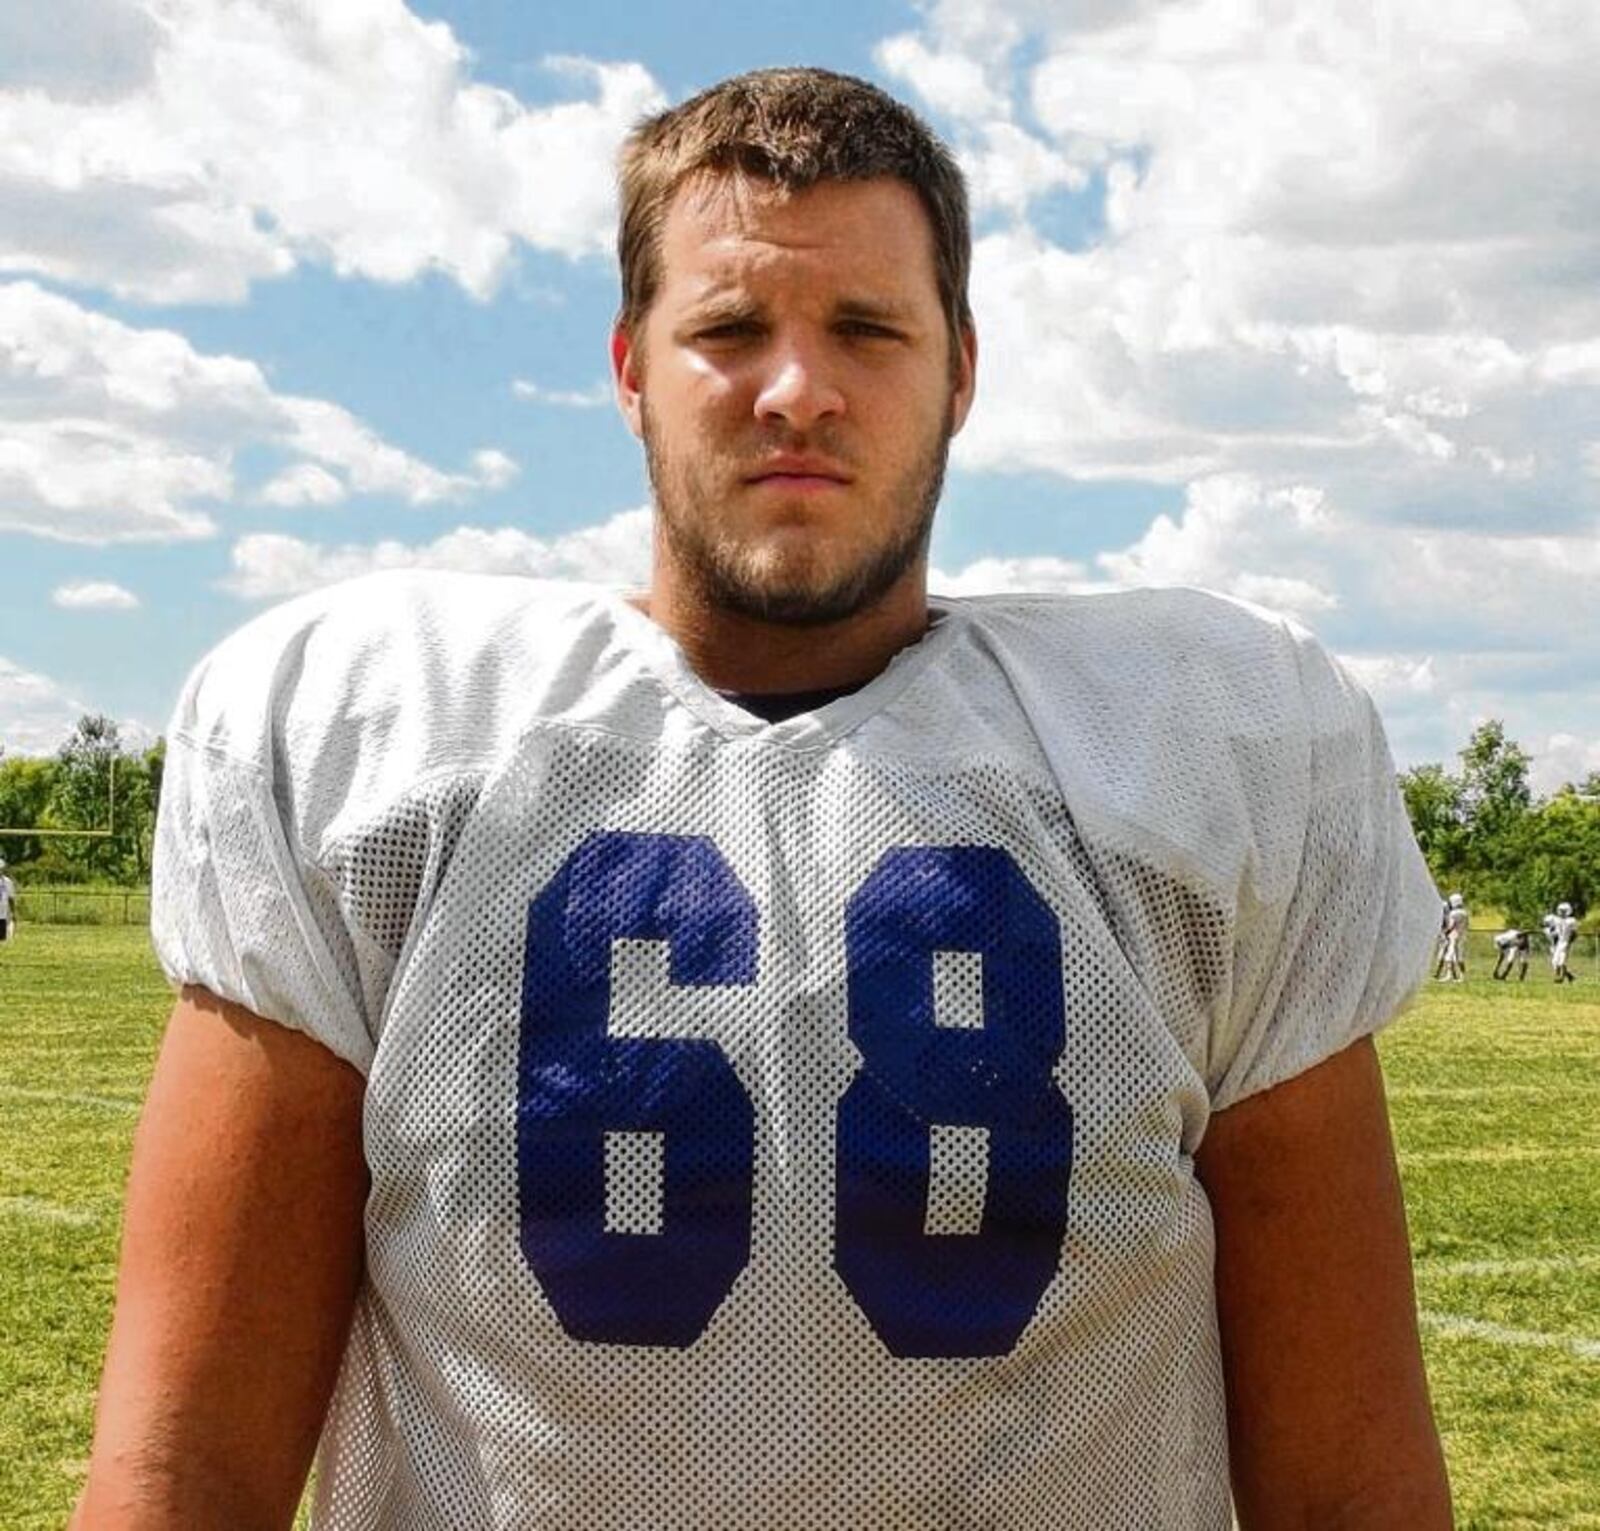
(786, 1125)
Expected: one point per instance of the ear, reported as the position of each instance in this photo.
(966, 379)
(627, 371)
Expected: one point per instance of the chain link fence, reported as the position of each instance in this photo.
(82, 906)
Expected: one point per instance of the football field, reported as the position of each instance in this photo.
(1495, 1090)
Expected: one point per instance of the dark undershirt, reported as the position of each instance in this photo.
(776, 707)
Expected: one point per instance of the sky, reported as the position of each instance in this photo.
(1297, 300)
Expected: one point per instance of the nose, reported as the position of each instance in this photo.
(797, 387)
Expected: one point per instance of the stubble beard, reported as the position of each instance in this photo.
(730, 575)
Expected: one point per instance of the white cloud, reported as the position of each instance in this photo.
(615, 552)
(1001, 576)
(1563, 758)
(950, 78)
(181, 150)
(1346, 247)
(1007, 168)
(303, 484)
(493, 469)
(93, 595)
(1393, 675)
(1274, 547)
(110, 433)
(595, 397)
(38, 714)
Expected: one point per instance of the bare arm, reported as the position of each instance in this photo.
(241, 1258)
(1329, 1422)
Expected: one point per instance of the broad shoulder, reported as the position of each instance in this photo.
(387, 643)
(1201, 661)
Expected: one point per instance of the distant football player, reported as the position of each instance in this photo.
(775, 1049)
(1441, 942)
(8, 899)
(1561, 928)
(1512, 948)
(1457, 920)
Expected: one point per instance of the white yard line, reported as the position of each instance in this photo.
(1528, 1265)
(69, 1098)
(45, 1211)
(1459, 1325)
(1490, 1091)
(1510, 1153)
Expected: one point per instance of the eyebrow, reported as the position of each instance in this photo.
(722, 308)
(883, 312)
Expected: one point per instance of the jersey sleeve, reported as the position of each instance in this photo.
(1336, 956)
(238, 906)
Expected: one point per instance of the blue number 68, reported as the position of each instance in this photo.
(924, 1293)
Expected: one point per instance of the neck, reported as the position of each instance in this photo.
(732, 652)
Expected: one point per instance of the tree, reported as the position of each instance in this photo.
(99, 785)
(1554, 857)
(25, 788)
(1433, 800)
(1495, 798)
(142, 804)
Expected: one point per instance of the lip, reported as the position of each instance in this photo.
(797, 483)
(802, 473)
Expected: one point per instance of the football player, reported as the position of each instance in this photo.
(1457, 919)
(1561, 928)
(1512, 948)
(8, 895)
(775, 1049)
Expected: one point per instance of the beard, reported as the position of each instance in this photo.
(744, 577)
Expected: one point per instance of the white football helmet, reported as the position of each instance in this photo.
(1562, 909)
(1456, 901)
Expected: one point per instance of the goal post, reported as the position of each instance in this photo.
(33, 832)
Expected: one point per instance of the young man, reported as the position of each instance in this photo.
(807, 1055)
(1442, 940)
(8, 896)
(1512, 948)
(1562, 929)
(1457, 920)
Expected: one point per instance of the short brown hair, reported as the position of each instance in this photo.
(793, 128)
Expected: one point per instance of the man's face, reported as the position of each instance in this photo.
(794, 389)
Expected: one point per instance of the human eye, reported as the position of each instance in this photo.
(868, 329)
(725, 331)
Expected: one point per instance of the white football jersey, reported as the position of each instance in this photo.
(786, 1125)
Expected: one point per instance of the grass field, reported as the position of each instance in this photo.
(1496, 1097)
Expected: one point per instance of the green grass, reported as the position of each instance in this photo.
(81, 1010)
(1495, 1091)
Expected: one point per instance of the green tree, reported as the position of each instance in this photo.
(143, 802)
(26, 785)
(100, 785)
(1433, 800)
(1554, 857)
(1495, 799)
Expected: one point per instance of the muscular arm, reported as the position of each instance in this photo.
(241, 1257)
(1329, 1422)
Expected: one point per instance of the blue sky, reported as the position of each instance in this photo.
(1270, 300)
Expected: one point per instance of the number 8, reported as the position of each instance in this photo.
(933, 1294)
